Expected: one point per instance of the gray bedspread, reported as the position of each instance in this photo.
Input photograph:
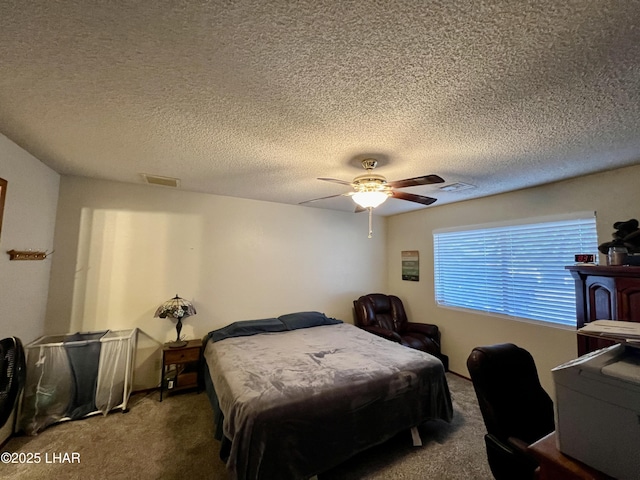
(299, 402)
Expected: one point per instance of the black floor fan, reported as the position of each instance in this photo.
(12, 375)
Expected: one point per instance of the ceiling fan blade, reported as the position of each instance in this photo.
(412, 182)
(322, 198)
(413, 198)
(335, 180)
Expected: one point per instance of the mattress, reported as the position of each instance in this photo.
(296, 403)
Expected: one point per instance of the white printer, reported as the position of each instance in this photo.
(598, 410)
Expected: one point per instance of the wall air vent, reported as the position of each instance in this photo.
(163, 181)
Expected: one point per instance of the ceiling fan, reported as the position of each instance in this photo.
(370, 190)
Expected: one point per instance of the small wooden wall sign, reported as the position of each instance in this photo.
(26, 255)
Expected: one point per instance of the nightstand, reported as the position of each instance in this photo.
(180, 367)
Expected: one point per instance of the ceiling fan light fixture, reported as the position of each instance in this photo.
(371, 190)
(371, 199)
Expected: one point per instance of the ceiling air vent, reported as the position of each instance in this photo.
(456, 187)
(157, 180)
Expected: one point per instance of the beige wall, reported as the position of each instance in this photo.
(28, 223)
(123, 249)
(613, 195)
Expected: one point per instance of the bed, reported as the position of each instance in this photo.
(296, 395)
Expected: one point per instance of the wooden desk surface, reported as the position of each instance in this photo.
(555, 465)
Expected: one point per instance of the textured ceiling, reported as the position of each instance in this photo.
(256, 99)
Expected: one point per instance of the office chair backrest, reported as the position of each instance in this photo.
(512, 401)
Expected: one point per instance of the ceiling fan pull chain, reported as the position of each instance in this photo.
(370, 221)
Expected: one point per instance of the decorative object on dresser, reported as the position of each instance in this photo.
(180, 367)
(626, 235)
(177, 308)
(384, 315)
(604, 293)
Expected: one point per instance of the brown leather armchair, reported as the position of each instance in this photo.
(384, 315)
(516, 409)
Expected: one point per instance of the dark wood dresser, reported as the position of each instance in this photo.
(604, 293)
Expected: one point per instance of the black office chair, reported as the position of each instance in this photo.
(515, 408)
(12, 375)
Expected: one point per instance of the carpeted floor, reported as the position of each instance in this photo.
(174, 440)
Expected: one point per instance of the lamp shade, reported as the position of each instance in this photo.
(177, 308)
(371, 199)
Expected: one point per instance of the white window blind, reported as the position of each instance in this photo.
(515, 269)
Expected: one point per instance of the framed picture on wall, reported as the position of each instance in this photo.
(3, 194)
(411, 265)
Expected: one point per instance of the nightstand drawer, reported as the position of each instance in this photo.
(182, 356)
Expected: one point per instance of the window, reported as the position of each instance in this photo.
(515, 269)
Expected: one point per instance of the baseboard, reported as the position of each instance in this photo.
(5, 441)
(9, 427)
(459, 375)
(145, 390)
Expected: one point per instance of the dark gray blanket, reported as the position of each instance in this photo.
(299, 402)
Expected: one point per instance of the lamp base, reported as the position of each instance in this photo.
(179, 344)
